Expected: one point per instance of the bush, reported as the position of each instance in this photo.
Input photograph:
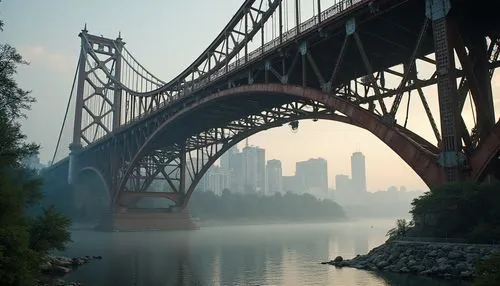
(488, 271)
(402, 227)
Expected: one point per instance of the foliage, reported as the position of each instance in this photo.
(20, 250)
(49, 231)
(207, 205)
(460, 210)
(401, 228)
(488, 271)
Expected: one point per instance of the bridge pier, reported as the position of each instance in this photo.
(129, 214)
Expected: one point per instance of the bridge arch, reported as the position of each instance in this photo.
(409, 148)
(92, 196)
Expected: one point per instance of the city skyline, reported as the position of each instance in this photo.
(53, 58)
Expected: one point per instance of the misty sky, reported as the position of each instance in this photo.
(166, 36)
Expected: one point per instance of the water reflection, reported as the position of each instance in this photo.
(244, 255)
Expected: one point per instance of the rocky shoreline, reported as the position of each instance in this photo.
(54, 267)
(446, 260)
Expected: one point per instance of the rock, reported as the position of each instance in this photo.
(461, 266)
(61, 269)
(442, 260)
(454, 255)
(404, 270)
(46, 267)
(433, 253)
(432, 259)
(465, 274)
(381, 264)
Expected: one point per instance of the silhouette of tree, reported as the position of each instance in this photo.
(20, 252)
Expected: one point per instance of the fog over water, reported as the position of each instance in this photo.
(287, 254)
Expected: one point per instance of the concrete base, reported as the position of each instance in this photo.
(147, 220)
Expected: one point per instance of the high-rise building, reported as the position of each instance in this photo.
(254, 159)
(312, 176)
(227, 159)
(216, 179)
(358, 172)
(342, 183)
(274, 176)
(231, 163)
(290, 184)
(237, 173)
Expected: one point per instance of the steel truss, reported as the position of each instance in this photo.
(182, 166)
(136, 153)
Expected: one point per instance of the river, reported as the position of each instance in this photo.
(287, 254)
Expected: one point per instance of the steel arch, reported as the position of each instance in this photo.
(421, 160)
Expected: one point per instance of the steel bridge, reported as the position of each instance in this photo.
(353, 62)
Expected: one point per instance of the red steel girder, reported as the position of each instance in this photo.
(416, 156)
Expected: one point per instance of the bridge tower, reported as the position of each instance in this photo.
(98, 101)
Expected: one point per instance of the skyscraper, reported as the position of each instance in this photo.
(254, 159)
(274, 176)
(216, 179)
(358, 172)
(342, 183)
(312, 176)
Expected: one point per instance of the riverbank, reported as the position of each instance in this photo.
(448, 260)
(53, 268)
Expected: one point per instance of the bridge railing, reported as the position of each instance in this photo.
(288, 36)
(190, 87)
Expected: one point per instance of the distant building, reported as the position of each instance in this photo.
(358, 172)
(232, 163)
(216, 179)
(274, 176)
(227, 159)
(290, 184)
(312, 176)
(343, 183)
(254, 159)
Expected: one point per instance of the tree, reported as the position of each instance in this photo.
(49, 231)
(464, 210)
(488, 271)
(402, 227)
(23, 239)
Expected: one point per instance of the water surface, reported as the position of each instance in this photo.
(287, 254)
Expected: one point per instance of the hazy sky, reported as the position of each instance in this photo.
(166, 36)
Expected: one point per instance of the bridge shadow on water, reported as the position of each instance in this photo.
(238, 255)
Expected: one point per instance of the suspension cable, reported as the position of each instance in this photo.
(66, 113)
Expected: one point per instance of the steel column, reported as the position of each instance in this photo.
(182, 169)
(449, 158)
(117, 100)
(485, 109)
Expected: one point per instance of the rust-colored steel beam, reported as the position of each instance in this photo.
(417, 157)
(487, 151)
